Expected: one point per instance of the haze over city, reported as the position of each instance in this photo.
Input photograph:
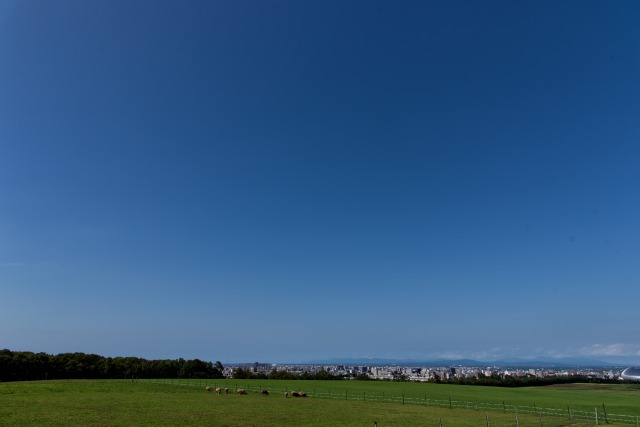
(290, 181)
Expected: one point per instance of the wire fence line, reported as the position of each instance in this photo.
(594, 416)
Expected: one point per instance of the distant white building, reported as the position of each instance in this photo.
(632, 373)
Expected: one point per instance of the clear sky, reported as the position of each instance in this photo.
(290, 180)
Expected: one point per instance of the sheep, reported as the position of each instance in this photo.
(241, 391)
(286, 394)
(265, 392)
(207, 388)
(226, 391)
(218, 390)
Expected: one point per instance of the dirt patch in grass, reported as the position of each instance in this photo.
(595, 386)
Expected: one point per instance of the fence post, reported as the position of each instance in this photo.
(440, 422)
(604, 409)
(540, 419)
(517, 422)
(596, 410)
(487, 420)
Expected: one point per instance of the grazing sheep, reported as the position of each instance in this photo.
(241, 391)
(207, 388)
(218, 390)
(226, 391)
(295, 394)
(265, 392)
(286, 394)
(302, 394)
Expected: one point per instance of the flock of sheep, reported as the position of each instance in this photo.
(220, 390)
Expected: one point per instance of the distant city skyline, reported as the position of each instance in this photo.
(294, 181)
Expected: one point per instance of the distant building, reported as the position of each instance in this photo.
(632, 373)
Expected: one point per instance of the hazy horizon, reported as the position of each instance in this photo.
(304, 180)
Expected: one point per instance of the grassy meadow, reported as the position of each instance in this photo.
(618, 398)
(330, 403)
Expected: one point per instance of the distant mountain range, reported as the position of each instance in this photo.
(566, 362)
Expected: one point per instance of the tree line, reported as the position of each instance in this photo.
(25, 365)
(526, 381)
(246, 374)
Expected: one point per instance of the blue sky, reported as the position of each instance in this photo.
(286, 180)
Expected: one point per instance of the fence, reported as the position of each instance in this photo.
(594, 416)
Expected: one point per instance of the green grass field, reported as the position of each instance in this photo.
(343, 403)
(618, 398)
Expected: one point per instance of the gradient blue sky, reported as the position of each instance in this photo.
(288, 180)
